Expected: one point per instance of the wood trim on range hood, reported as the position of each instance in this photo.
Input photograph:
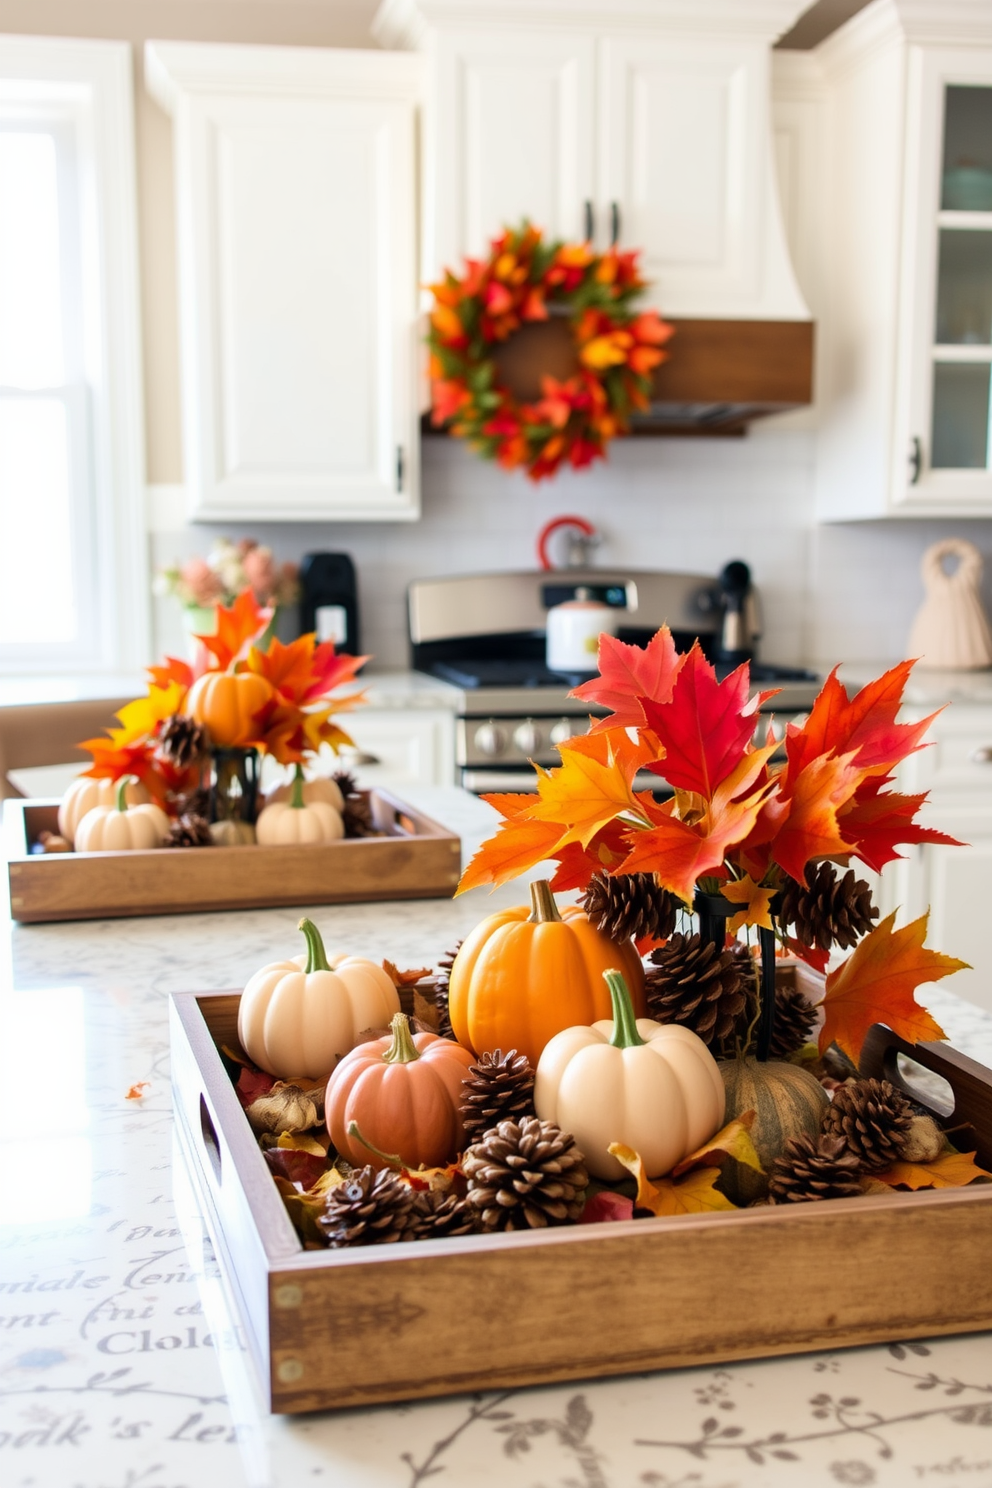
(721, 374)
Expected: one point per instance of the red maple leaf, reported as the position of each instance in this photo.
(864, 726)
(629, 673)
(879, 821)
(706, 727)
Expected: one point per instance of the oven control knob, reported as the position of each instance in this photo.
(490, 739)
(562, 731)
(527, 737)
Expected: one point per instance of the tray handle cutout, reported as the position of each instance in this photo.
(210, 1142)
(970, 1082)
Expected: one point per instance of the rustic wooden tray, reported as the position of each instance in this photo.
(417, 859)
(396, 1322)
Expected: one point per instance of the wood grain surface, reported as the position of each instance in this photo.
(419, 859)
(400, 1322)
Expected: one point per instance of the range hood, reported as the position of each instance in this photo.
(646, 122)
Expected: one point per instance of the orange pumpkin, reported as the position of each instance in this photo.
(403, 1093)
(524, 974)
(225, 703)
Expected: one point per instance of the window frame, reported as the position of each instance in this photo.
(87, 86)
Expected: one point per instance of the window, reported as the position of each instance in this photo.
(73, 570)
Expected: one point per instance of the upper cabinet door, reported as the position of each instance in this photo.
(684, 169)
(297, 267)
(943, 429)
(510, 136)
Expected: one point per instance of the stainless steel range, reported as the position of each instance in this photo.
(486, 633)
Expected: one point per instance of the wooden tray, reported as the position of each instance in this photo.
(396, 1322)
(417, 859)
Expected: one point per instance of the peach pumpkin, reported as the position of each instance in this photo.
(226, 704)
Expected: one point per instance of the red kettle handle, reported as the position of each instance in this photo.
(551, 527)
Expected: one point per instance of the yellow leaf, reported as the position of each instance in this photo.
(756, 900)
(300, 1142)
(142, 717)
(582, 796)
(733, 1141)
(950, 1170)
(694, 1194)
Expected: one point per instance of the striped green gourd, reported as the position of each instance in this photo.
(787, 1101)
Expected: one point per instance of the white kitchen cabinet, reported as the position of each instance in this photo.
(650, 127)
(397, 747)
(295, 190)
(955, 883)
(902, 102)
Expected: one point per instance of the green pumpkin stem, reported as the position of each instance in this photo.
(402, 1050)
(316, 955)
(625, 1034)
(296, 800)
(122, 786)
(544, 910)
(392, 1158)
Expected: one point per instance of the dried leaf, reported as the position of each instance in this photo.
(251, 1084)
(303, 1168)
(950, 1170)
(876, 985)
(137, 1091)
(606, 1206)
(303, 1142)
(405, 978)
(425, 1012)
(693, 1194)
(733, 1141)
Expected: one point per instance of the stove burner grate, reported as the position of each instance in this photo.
(492, 672)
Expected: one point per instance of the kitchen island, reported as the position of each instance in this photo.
(120, 1368)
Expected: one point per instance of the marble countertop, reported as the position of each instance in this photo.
(121, 1368)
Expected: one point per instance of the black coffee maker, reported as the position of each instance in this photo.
(329, 599)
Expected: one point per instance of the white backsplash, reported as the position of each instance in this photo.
(829, 592)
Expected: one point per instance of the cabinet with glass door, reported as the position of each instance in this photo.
(948, 428)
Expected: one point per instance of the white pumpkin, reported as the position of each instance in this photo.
(84, 793)
(320, 788)
(293, 821)
(299, 1017)
(122, 828)
(652, 1086)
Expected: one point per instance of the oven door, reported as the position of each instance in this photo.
(516, 779)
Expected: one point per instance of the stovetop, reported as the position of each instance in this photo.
(504, 686)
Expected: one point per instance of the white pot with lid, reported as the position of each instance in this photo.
(574, 629)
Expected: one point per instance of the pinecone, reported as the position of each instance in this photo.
(820, 1167)
(829, 911)
(630, 906)
(499, 1088)
(357, 817)
(795, 1019)
(345, 782)
(193, 803)
(525, 1175)
(189, 831)
(873, 1118)
(183, 740)
(699, 986)
(441, 981)
(371, 1209)
(444, 1214)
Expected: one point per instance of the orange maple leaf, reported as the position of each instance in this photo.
(582, 796)
(517, 846)
(876, 985)
(811, 828)
(172, 670)
(237, 627)
(949, 1170)
(864, 725)
(301, 672)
